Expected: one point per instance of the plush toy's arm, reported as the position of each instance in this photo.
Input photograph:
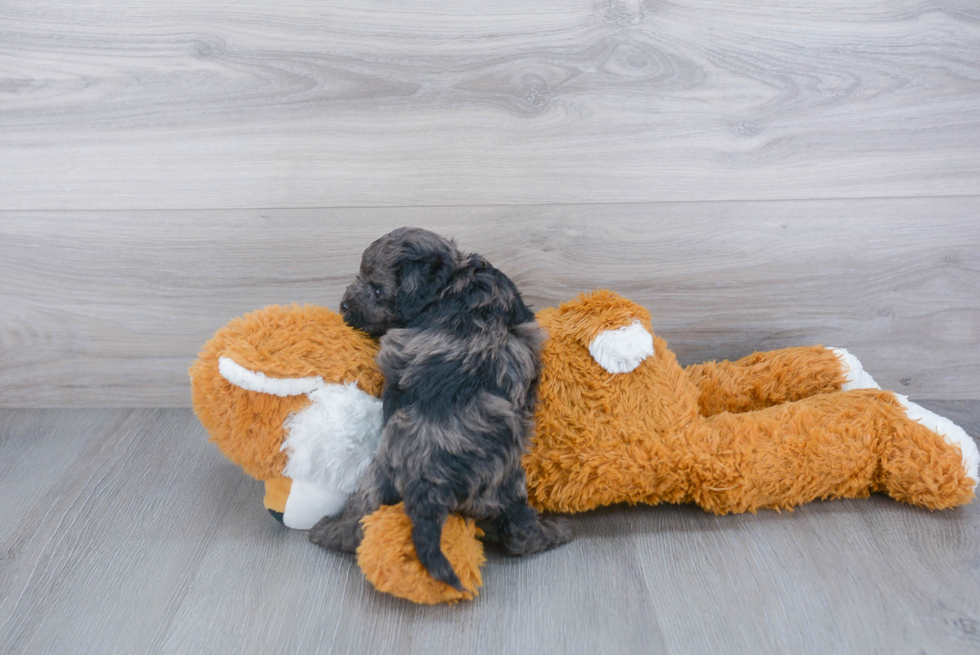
(764, 379)
(615, 330)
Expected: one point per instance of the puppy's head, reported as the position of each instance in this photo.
(401, 273)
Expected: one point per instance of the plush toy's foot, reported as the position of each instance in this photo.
(389, 562)
(951, 433)
(855, 375)
(925, 459)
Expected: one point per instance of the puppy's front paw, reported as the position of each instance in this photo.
(333, 533)
(557, 529)
(622, 350)
(545, 533)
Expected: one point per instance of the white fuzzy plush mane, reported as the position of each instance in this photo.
(335, 438)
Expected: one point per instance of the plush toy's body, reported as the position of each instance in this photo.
(773, 430)
(618, 420)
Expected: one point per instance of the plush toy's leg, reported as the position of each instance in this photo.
(387, 557)
(764, 379)
(835, 445)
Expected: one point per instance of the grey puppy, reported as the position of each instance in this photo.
(459, 352)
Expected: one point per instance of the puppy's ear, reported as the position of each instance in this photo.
(424, 268)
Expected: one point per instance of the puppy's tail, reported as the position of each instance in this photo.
(427, 521)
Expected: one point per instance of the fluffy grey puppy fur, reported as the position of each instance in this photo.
(460, 355)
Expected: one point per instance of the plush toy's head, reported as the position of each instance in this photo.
(289, 394)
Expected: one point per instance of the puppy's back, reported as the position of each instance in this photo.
(461, 379)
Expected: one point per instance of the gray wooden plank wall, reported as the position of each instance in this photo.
(109, 308)
(758, 174)
(239, 104)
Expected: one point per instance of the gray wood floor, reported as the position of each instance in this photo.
(124, 531)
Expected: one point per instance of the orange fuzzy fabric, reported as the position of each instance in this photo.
(281, 342)
(276, 493)
(387, 557)
(840, 445)
(641, 437)
(765, 379)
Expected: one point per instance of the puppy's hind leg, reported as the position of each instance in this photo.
(520, 530)
(428, 515)
(344, 532)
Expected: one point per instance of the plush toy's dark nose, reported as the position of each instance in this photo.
(344, 306)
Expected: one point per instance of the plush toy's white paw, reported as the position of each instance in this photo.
(854, 374)
(622, 350)
(311, 500)
(950, 432)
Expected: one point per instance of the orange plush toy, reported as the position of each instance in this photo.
(618, 420)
